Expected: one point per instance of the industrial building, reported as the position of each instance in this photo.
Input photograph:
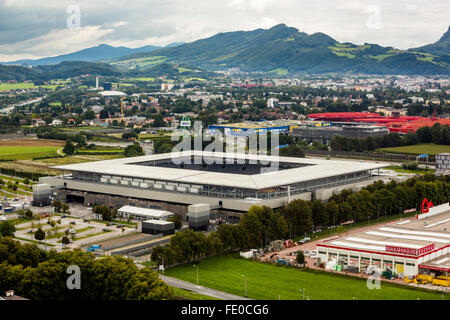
(442, 163)
(324, 135)
(395, 123)
(245, 129)
(199, 216)
(158, 227)
(230, 183)
(137, 213)
(407, 248)
(41, 195)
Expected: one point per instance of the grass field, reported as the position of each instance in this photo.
(189, 295)
(24, 149)
(143, 79)
(194, 79)
(422, 148)
(268, 282)
(399, 169)
(16, 86)
(280, 71)
(77, 159)
(43, 166)
(23, 85)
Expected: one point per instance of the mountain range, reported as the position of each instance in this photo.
(442, 46)
(282, 49)
(278, 50)
(97, 53)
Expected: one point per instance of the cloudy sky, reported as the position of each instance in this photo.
(35, 29)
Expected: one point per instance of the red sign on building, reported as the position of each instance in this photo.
(410, 251)
(426, 249)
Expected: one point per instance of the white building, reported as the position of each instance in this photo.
(272, 103)
(443, 163)
(56, 122)
(409, 247)
(144, 213)
(167, 86)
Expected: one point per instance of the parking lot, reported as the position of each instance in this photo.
(77, 224)
(79, 231)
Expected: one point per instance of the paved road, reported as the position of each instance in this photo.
(197, 289)
(200, 289)
(10, 108)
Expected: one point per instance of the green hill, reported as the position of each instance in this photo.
(62, 70)
(286, 48)
(440, 47)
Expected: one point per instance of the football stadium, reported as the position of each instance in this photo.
(229, 183)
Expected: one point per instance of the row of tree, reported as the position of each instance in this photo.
(54, 134)
(40, 275)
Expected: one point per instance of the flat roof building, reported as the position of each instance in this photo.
(144, 213)
(231, 182)
(158, 227)
(324, 135)
(406, 247)
(244, 129)
(442, 163)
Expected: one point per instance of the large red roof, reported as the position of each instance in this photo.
(401, 124)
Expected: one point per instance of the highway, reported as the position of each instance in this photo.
(10, 108)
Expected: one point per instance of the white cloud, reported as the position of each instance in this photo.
(56, 42)
(37, 30)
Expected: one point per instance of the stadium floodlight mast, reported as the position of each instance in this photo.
(302, 291)
(195, 266)
(245, 285)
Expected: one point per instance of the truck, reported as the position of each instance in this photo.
(440, 282)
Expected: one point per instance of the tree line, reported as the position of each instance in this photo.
(54, 134)
(40, 275)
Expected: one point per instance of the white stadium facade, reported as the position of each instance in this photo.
(229, 183)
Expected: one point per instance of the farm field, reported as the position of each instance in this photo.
(141, 62)
(16, 86)
(43, 166)
(25, 149)
(83, 128)
(143, 79)
(268, 282)
(24, 85)
(428, 148)
(100, 150)
(195, 79)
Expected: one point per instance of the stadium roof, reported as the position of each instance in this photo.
(313, 169)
